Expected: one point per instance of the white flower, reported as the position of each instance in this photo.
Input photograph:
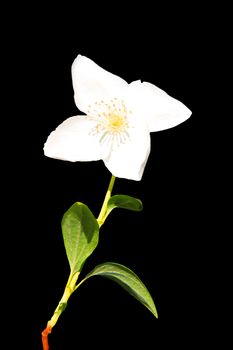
(118, 121)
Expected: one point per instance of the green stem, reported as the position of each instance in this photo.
(102, 215)
(71, 283)
(69, 289)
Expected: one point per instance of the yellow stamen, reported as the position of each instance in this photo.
(111, 121)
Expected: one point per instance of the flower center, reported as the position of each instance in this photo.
(111, 119)
(116, 122)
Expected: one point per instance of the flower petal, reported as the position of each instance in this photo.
(72, 141)
(128, 159)
(92, 83)
(160, 110)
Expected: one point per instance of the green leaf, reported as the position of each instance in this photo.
(126, 279)
(124, 202)
(80, 233)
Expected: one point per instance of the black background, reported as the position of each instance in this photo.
(167, 243)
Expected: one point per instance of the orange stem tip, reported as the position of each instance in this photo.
(45, 334)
